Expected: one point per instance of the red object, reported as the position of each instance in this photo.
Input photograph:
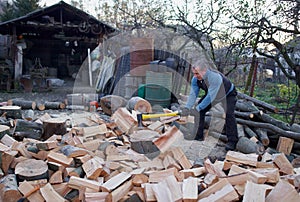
(94, 103)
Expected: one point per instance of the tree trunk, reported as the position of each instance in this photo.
(31, 169)
(24, 104)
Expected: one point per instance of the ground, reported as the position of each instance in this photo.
(195, 151)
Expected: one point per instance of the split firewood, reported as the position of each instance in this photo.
(285, 145)
(190, 189)
(71, 151)
(6, 159)
(22, 103)
(9, 188)
(30, 192)
(222, 190)
(124, 119)
(115, 181)
(283, 191)
(4, 130)
(56, 177)
(50, 194)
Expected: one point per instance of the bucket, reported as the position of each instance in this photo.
(157, 95)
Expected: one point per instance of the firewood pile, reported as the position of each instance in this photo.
(89, 157)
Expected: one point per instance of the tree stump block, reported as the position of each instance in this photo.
(142, 142)
(31, 169)
(54, 126)
(13, 112)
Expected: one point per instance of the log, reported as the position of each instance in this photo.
(259, 103)
(9, 191)
(54, 126)
(250, 133)
(31, 169)
(110, 103)
(54, 105)
(13, 112)
(263, 136)
(290, 134)
(40, 106)
(268, 119)
(24, 104)
(28, 115)
(246, 106)
(139, 104)
(27, 129)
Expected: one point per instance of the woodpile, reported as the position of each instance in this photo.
(89, 158)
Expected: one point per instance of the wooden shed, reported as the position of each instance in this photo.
(58, 37)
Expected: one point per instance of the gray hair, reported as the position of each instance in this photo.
(202, 61)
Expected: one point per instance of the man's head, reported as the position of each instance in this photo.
(201, 64)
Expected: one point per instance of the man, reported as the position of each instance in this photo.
(218, 89)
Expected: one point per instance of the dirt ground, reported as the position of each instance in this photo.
(195, 151)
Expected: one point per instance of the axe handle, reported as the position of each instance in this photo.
(149, 116)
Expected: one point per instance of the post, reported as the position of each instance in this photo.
(90, 67)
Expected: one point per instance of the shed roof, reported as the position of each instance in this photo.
(58, 19)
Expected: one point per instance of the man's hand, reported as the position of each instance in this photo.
(185, 112)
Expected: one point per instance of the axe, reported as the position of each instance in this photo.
(141, 117)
